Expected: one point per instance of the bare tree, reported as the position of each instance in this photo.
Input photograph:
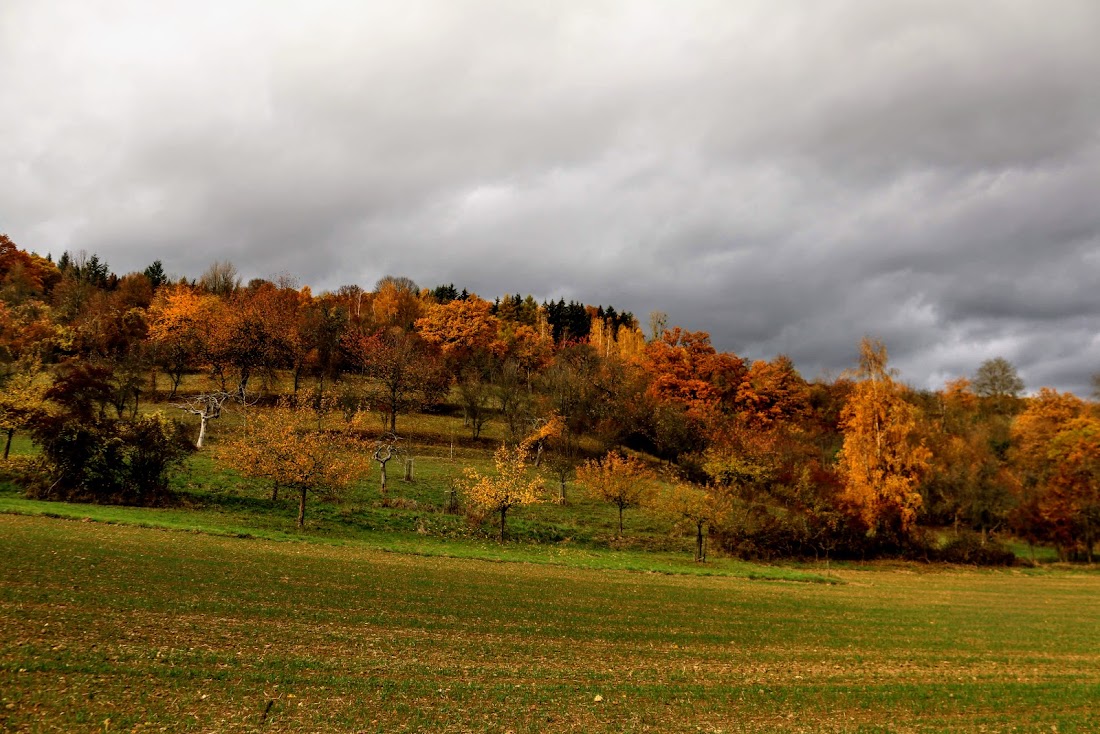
(658, 322)
(998, 384)
(385, 449)
(221, 278)
(207, 407)
(474, 393)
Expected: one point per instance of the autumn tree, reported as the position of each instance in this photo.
(509, 486)
(513, 398)
(773, 392)
(254, 333)
(883, 459)
(475, 395)
(1073, 500)
(565, 453)
(688, 371)
(318, 332)
(1051, 457)
(22, 394)
(284, 446)
(30, 330)
(87, 455)
(698, 507)
(523, 345)
(24, 275)
(616, 479)
(181, 322)
(459, 329)
(967, 478)
(402, 372)
(396, 303)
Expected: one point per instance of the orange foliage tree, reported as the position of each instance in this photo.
(396, 302)
(773, 392)
(459, 328)
(883, 458)
(1054, 458)
(688, 371)
(181, 322)
(255, 332)
(1073, 500)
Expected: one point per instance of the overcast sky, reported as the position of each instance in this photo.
(787, 176)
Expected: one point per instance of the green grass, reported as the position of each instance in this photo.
(112, 628)
(388, 614)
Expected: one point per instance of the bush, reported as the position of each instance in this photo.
(93, 458)
(968, 548)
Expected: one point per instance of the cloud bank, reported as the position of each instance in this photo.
(786, 177)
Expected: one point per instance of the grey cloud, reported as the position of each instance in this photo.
(789, 178)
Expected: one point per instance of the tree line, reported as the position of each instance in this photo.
(752, 455)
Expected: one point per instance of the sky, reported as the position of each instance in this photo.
(788, 177)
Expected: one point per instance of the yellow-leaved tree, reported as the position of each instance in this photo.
(883, 457)
(510, 485)
(697, 507)
(617, 479)
(286, 446)
(22, 393)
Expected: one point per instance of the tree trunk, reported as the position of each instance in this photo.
(7, 445)
(620, 521)
(699, 557)
(1088, 536)
(561, 492)
(408, 469)
(202, 430)
(503, 511)
(382, 464)
(275, 492)
(302, 508)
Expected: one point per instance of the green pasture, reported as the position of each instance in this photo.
(111, 627)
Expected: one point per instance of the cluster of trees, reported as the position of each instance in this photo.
(751, 453)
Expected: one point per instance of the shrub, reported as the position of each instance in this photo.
(968, 548)
(94, 458)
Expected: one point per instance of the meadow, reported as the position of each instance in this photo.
(388, 613)
(112, 627)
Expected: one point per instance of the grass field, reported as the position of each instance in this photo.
(383, 614)
(118, 628)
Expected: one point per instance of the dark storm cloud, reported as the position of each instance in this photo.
(787, 178)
